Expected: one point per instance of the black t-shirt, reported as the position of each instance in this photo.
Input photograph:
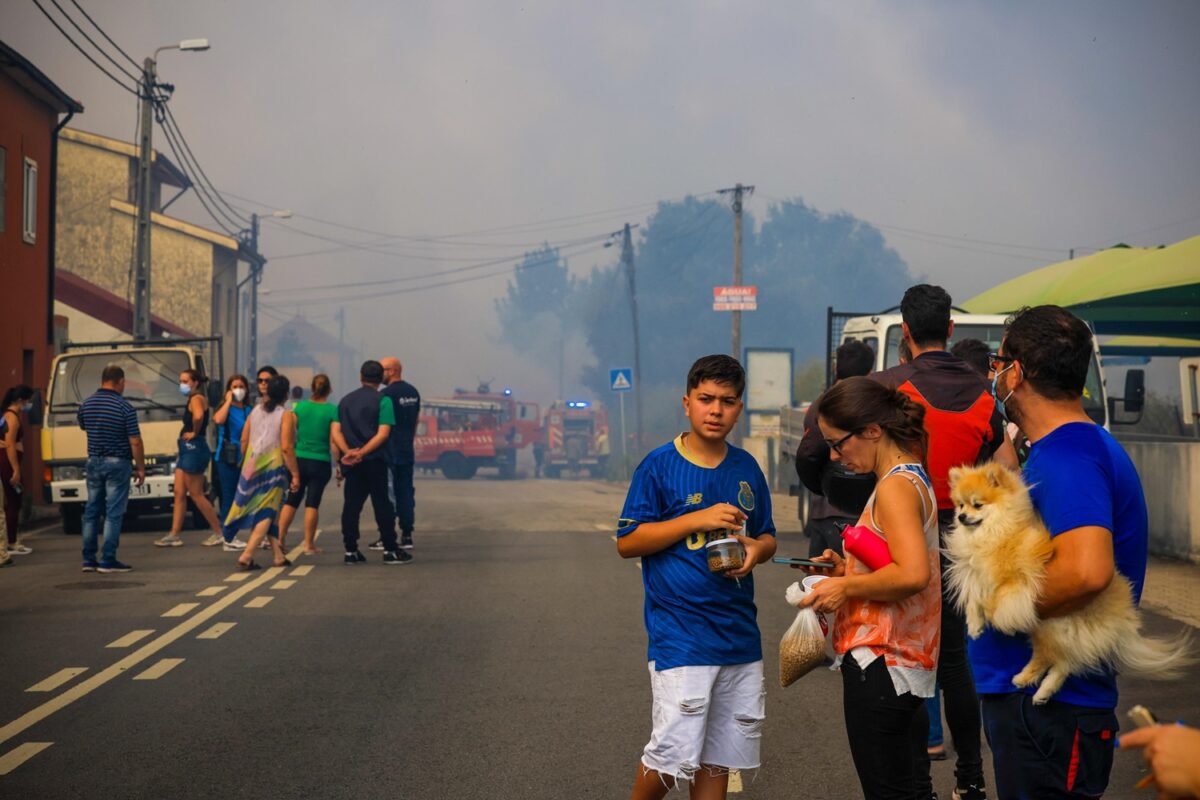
(360, 414)
(406, 403)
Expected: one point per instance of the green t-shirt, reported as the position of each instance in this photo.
(312, 429)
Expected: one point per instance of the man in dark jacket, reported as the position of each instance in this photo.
(406, 403)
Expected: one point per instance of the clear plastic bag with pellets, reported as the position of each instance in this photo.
(802, 648)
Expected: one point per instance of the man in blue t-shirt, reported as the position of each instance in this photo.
(1088, 493)
(705, 652)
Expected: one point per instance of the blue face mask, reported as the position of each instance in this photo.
(184, 389)
(1000, 403)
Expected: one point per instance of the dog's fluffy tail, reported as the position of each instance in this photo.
(1157, 659)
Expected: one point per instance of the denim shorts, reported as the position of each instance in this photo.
(194, 456)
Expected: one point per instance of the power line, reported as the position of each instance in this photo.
(135, 78)
(233, 216)
(105, 35)
(85, 54)
(201, 190)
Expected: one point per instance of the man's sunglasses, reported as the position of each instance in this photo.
(837, 446)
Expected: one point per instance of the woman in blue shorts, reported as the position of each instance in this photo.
(194, 457)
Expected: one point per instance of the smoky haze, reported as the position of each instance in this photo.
(982, 141)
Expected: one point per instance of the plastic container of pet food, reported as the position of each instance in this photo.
(867, 546)
(724, 555)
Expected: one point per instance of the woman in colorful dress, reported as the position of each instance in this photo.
(191, 466)
(269, 471)
(314, 448)
(887, 626)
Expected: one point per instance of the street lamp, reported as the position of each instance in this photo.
(257, 262)
(141, 304)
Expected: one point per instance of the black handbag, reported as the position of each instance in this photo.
(231, 452)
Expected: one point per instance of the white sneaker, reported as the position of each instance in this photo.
(213, 540)
(19, 549)
(169, 541)
(234, 545)
(266, 544)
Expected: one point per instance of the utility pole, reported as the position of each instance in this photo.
(141, 281)
(630, 274)
(738, 191)
(256, 263)
(341, 320)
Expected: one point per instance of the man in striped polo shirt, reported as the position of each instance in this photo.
(114, 440)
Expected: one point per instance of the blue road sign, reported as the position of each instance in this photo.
(620, 380)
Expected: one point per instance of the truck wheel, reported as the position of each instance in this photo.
(456, 467)
(72, 518)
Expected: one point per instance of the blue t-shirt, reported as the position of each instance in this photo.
(1078, 476)
(235, 422)
(695, 617)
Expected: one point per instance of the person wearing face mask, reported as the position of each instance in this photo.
(1087, 491)
(229, 421)
(194, 457)
(17, 400)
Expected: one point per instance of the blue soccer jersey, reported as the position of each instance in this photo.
(695, 617)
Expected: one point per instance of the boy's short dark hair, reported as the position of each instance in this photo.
(1054, 347)
(371, 372)
(926, 310)
(112, 374)
(854, 359)
(719, 368)
(975, 353)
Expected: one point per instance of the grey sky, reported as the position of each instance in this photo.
(1045, 125)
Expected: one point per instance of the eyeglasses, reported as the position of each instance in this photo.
(996, 358)
(837, 446)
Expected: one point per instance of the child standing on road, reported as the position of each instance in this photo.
(705, 653)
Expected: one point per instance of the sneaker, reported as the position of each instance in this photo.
(8, 562)
(19, 549)
(88, 566)
(168, 541)
(376, 545)
(213, 540)
(397, 557)
(113, 566)
(406, 540)
(972, 792)
(233, 545)
(355, 558)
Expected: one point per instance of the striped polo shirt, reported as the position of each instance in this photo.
(110, 421)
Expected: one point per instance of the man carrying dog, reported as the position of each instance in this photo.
(1088, 493)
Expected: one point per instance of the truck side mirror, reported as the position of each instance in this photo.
(37, 415)
(1135, 391)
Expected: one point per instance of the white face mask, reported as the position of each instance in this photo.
(239, 394)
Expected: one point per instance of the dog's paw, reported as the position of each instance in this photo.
(974, 629)
(1041, 696)
(1025, 678)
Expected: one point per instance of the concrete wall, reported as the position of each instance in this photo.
(1170, 472)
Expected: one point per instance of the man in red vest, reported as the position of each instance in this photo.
(965, 426)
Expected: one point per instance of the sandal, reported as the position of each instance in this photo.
(287, 562)
(250, 567)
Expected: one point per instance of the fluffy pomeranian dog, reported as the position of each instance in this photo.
(998, 551)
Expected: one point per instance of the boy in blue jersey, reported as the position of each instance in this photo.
(1088, 493)
(705, 654)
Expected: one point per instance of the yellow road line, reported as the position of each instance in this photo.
(88, 686)
(237, 577)
(211, 591)
(283, 584)
(600, 527)
(132, 637)
(57, 679)
(259, 602)
(19, 755)
(735, 781)
(155, 672)
(216, 630)
(181, 610)
(299, 572)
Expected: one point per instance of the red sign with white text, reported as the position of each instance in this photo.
(735, 298)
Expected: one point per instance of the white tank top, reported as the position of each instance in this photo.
(266, 429)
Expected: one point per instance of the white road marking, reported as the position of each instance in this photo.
(132, 637)
(155, 672)
(283, 584)
(237, 577)
(57, 679)
(211, 591)
(181, 610)
(261, 601)
(735, 781)
(300, 572)
(19, 755)
(600, 527)
(216, 630)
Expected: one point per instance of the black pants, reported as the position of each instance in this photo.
(405, 496)
(887, 732)
(826, 534)
(367, 479)
(1048, 752)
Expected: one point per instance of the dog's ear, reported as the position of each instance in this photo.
(954, 475)
(995, 474)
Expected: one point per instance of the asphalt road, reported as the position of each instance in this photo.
(507, 661)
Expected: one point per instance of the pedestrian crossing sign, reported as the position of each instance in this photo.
(620, 380)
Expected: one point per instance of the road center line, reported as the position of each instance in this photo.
(155, 672)
(211, 591)
(84, 688)
(19, 755)
(300, 572)
(287, 583)
(181, 610)
(217, 630)
(261, 601)
(130, 638)
(735, 781)
(237, 577)
(57, 679)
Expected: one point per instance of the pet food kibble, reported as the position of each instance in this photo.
(799, 655)
(724, 555)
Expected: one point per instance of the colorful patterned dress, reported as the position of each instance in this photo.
(264, 478)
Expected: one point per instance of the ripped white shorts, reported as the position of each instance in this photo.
(710, 716)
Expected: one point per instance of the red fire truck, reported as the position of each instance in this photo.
(471, 430)
(574, 438)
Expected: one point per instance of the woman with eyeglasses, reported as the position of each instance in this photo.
(191, 466)
(229, 420)
(887, 623)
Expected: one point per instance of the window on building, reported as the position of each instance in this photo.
(29, 225)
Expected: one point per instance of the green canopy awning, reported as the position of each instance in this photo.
(1150, 346)
(1122, 290)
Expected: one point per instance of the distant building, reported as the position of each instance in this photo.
(300, 349)
(31, 105)
(193, 269)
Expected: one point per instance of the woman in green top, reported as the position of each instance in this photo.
(317, 456)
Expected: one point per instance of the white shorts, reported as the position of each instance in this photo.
(710, 716)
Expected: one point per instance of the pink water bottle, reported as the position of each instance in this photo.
(867, 546)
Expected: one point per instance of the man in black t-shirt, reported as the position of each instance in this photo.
(406, 404)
